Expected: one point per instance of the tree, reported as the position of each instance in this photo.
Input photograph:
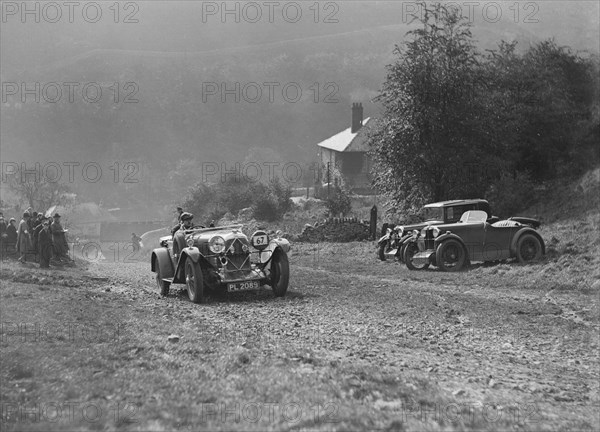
(38, 192)
(431, 126)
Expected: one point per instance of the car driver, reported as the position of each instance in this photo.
(186, 222)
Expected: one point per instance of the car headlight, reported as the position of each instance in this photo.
(190, 241)
(423, 232)
(416, 233)
(400, 230)
(436, 232)
(216, 244)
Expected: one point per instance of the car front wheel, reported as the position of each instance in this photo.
(280, 273)
(529, 248)
(194, 281)
(451, 255)
(410, 250)
(163, 286)
(382, 249)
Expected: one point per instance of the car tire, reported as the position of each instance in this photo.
(401, 253)
(529, 248)
(409, 251)
(382, 248)
(163, 286)
(451, 255)
(194, 281)
(280, 273)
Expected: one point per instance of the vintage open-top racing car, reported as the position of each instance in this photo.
(394, 242)
(221, 259)
(451, 246)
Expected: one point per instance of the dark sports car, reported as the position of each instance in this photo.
(221, 259)
(394, 242)
(451, 246)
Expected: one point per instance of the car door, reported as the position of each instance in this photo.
(472, 232)
(497, 242)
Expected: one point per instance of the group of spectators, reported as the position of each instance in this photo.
(37, 235)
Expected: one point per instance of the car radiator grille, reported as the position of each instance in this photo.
(237, 259)
(429, 240)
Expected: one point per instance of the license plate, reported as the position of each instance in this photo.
(242, 286)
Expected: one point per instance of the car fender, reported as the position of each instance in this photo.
(449, 235)
(191, 252)
(278, 243)
(404, 240)
(161, 257)
(517, 236)
(384, 239)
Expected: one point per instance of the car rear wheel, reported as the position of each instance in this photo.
(411, 250)
(194, 281)
(529, 248)
(451, 255)
(163, 286)
(280, 273)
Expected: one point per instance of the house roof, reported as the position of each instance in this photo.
(455, 202)
(346, 141)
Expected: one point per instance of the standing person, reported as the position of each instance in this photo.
(45, 244)
(3, 234)
(179, 213)
(11, 235)
(59, 241)
(36, 233)
(32, 220)
(40, 219)
(23, 239)
(135, 242)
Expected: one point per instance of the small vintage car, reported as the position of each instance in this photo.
(452, 246)
(393, 243)
(221, 259)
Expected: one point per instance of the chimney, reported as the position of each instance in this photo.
(357, 117)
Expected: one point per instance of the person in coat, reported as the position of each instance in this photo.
(59, 240)
(23, 237)
(11, 236)
(45, 244)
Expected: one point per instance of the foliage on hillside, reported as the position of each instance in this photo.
(462, 124)
(267, 201)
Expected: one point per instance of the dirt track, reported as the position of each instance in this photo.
(370, 346)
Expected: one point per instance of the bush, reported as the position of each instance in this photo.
(273, 202)
(510, 194)
(339, 202)
(265, 208)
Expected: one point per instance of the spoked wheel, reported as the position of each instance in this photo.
(194, 281)
(280, 273)
(529, 248)
(163, 287)
(451, 255)
(411, 250)
(383, 248)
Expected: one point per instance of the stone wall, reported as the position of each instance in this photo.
(340, 230)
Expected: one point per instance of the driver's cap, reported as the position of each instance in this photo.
(186, 216)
